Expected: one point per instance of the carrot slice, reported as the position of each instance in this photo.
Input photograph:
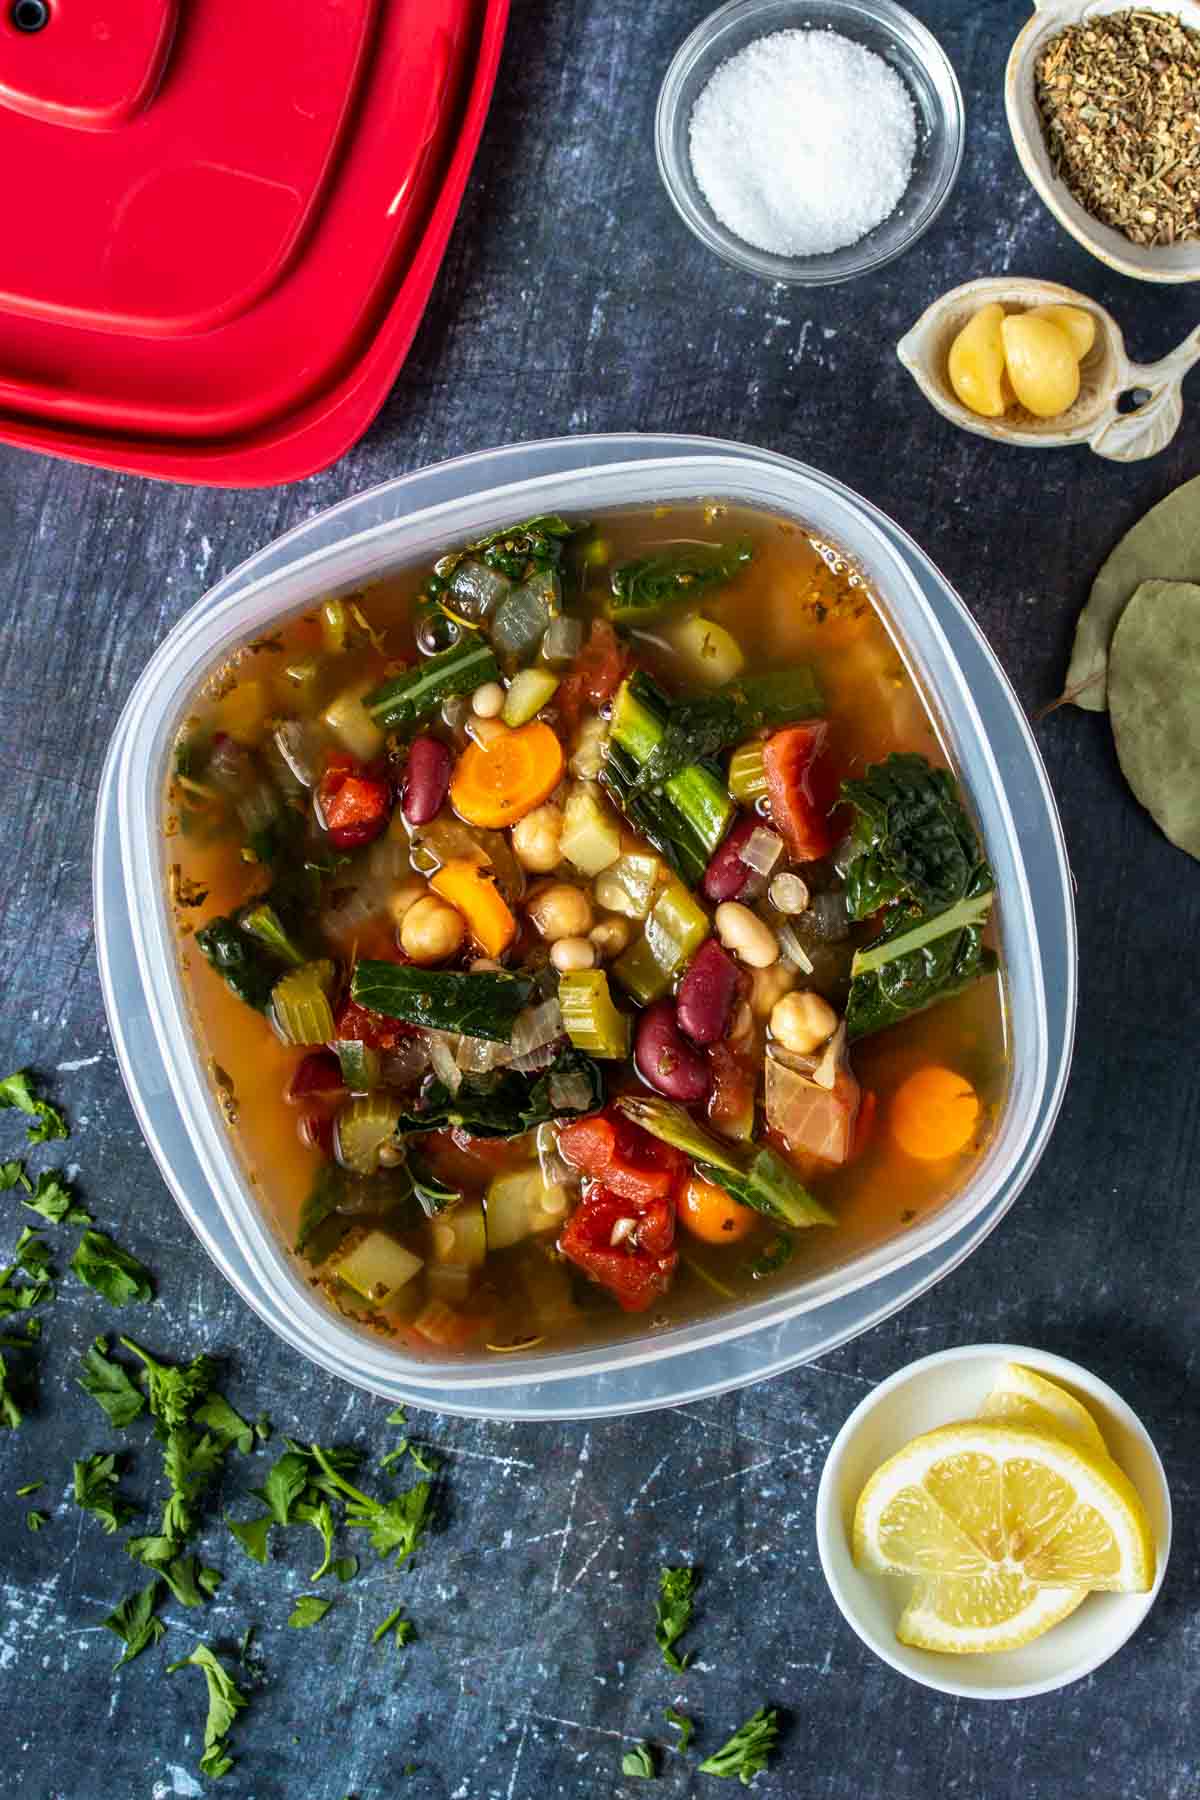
(472, 889)
(498, 782)
(801, 789)
(708, 1212)
(934, 1114)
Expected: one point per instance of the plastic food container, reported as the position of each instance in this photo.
(409, 520)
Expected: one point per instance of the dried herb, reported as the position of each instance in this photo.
(1119, 98)
(1154, 705)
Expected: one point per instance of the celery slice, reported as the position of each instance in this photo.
(528, 692)
(363, 1128)
(747, 775)
(589, 1017)
(300, 1002)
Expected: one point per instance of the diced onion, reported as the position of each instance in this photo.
(442, 1047)
(556, 1171)
(761, 850)
(535, 1061)
(825, 1073)
(622, 1229)
(793, 949)
(456, 711)
(295, 744)
(536, 1027)
(570, 1093)
(563, 640)
(788, 894)
(479, 1056)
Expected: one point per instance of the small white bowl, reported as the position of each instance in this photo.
(936, 1391)
(1158, 262)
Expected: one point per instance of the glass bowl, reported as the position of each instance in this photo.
(902, 42)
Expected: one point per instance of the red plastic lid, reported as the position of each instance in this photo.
(223, 220)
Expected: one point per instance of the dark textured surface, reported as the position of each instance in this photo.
(572, 301)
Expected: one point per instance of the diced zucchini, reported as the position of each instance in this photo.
(528, 692)
(448, 1282)
(335, 622)
(352, 725)
(301, 683)
(747, 775)
(363, 1128)
(591, 836)
(245, 711)
(712, 654)
(473, 592)
(300, 1002)
(675, 929)
(459, 1236)
(628, 886)
(518, 1203)
(547, 1285)
(519, 622)
(590, 1019)
(377, 1267)
(360, 1065)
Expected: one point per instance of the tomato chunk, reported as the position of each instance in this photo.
(362, 1026)
(639, 1266)
(594, 676)
(354, 804)
(801, 789)
(612, 1149)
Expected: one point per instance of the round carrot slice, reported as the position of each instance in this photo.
(496, 783)
(710, 1213)
(934, 1114)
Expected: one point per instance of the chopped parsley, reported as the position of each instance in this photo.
(113, 1272)
(53, 1199)
(401, 1629)
(34, 1520)
(109, 1385)
(96, 1491)
(31, 1487)
(10, 1413)
(639, 1762)
(226, 1425)
(225, 1701)
(134, 1622)
(309, 1609)
(48, 1122)
(683, 1725)
(394, 1525)
(346, 1568)
(747, 1751)
(676, 1592)
(777, 1255)
(252, 1535)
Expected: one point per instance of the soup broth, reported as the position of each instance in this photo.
(286, 787)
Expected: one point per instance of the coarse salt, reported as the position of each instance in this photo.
(803, 142)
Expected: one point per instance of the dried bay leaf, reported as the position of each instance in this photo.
(1164, 546)
(1154, 704)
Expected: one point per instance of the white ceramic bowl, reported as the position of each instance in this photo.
(1168, 262)
(936, 1391)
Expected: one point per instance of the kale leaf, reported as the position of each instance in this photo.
(483, 1005)
(651, 582)
(505, 1104)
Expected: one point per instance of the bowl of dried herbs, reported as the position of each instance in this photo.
(1103, 104)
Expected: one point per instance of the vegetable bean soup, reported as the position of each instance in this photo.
(585, 933)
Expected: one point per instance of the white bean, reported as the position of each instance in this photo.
(788, 894)
(487, 702)
(570, 954)
(744, 934)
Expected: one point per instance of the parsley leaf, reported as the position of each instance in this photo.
(285, 1483)
(401, 1629)
(17, 1090)
(134, 1622)
(12, 1174)
(398, 1417)
(109, 1385)
(226, 1425)
(748, 1750)
(320, 1518)
(396, 1524)
(676, 1590)
(53, 1199)
(31, 1487)
(189, 1581)
(10, 1413)
(309, 1609)
(31, 1258)
(32, 1252)
(189, 1462)
(34, 1520)
(638, 1762)
(113, 1272)
(682, 1724)
(174, 1389)
(253, 1535)
(225, 1701)
(346, 1568)
(96, 1491)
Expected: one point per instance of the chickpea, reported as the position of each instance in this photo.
(570, 954)
(535, 839)
(803, 1022)
(487, 702)
(432, 930)
(561, 911)
(745, 936)
(610, 937)
(404, 896)
(769, 986)
(589, 748)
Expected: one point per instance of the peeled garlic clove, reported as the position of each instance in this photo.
(1041, 364)
(977, 362)
(1076, 325)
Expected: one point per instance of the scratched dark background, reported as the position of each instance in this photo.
(572, 301)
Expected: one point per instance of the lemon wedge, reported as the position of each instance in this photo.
(1006, 1526)
(1024, 1397)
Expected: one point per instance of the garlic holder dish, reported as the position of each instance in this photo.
(1107, 376)
(983, 729)
(1160, 263)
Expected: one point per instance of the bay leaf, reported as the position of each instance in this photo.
(1164, 545)
(1154, 704)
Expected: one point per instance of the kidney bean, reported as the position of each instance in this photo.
(727, 877)
(664, 1058)
(426, 779)
(317, 1077)
(706, 994)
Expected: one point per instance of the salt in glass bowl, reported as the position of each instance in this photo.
(903, 43)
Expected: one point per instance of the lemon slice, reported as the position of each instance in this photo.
(991, 1516)
(1024, 1397)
